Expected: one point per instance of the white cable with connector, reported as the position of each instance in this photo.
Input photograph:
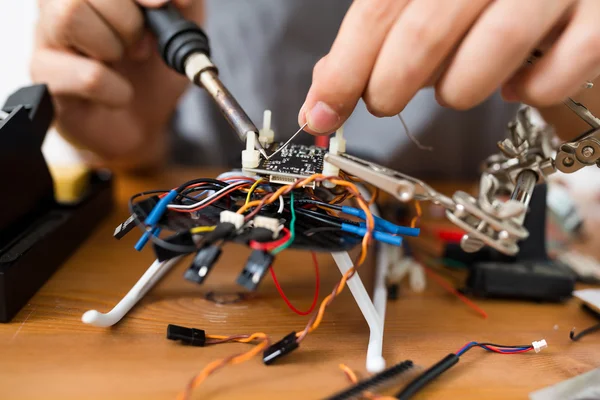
(233, 218)
(539, 345)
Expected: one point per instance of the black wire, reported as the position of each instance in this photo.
(320, 203)
(326, 219)
(585, 332)
(492, 344)
(310, 232)
(200, 180)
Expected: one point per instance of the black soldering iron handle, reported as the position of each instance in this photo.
(177, 37)
(427, 377)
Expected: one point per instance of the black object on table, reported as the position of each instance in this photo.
(530, 275)
(36, 233)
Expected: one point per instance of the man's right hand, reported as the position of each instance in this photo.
(113, 94)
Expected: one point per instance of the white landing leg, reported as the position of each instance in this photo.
(150, 278)
(375, 360)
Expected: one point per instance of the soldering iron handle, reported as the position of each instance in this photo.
(177, 37)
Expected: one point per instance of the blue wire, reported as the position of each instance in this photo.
(503, 350)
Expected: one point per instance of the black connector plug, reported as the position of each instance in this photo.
(202, 264)
(255, 270)
(280, 349)
(191, 336)
(124, 228)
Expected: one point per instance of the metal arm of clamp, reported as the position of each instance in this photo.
(497, 230)
(583, 151)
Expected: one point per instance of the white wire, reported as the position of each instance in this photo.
(206, 200)
(280, 205)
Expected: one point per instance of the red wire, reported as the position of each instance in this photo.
(267, 246)
(317, 285)
(496, 350)
(455, 292)
(246, 178)
(212, 201)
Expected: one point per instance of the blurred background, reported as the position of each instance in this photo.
(17, 24)
(17, 21)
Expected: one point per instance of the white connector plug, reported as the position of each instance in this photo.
(539, 345)
(266, 136)
(271, 224)
(337, 145)
(250, 156)
(233, 218)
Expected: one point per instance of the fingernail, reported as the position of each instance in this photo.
(322, 118)
(302, 116)
(509, 94)
(153, 3)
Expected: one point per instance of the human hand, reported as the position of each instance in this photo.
(112, 92)
(387, 50)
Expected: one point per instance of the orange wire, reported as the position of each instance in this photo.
(418, 212)
(242, 357)
(218, 364)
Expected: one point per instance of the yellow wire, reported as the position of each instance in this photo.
(200, 229)
(349, 373)
(254, 185)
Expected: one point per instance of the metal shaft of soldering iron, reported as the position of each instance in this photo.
(184, 47)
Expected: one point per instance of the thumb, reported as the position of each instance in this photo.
(331, 99)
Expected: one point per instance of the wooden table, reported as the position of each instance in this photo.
(47, 352)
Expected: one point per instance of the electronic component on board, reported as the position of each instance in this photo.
(296, 161)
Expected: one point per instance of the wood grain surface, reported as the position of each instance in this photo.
(47, 352)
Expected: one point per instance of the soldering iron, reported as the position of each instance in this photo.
(184, 47)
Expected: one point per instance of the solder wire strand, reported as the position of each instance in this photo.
(283, 146)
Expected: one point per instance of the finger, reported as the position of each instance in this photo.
(562, 71)
(76, 25)
(417, 44)
(123, 17)
(181, 4)
(340, 78)
(495, 47)
(73, 75)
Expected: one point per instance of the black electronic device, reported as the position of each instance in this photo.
(36, 233)
(530, 275)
